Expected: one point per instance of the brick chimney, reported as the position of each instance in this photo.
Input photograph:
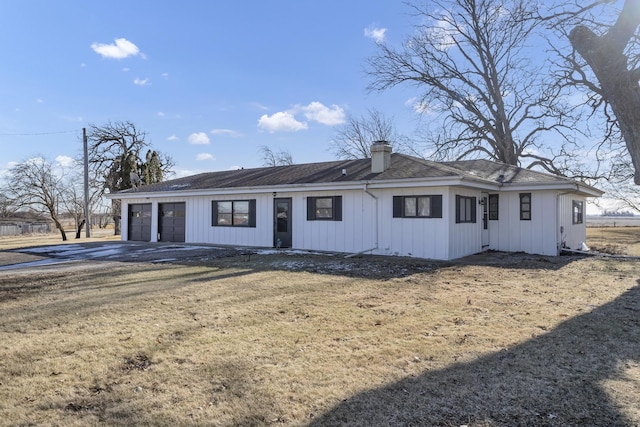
(380, 156)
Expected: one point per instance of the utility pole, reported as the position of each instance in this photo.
(87, 214)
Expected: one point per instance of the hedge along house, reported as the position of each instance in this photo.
(391, 204)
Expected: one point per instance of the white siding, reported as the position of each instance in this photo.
(465, 238)
(415, 237)
(355, 233)
(539, 235)
(368, 225)
(572, 235)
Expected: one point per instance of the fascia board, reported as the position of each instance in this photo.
(293, 188)
(572, 187)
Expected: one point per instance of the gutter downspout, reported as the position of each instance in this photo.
(366, 190)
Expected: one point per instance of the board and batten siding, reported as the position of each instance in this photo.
(572, 235)
(355, 233)
(413, 237)
(538, 235)
(201, 230)
(465, 238)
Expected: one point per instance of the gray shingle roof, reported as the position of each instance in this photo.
(402, 167)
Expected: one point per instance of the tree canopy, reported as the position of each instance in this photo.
(474, 67)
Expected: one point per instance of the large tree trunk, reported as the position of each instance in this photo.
(79, 229)
(116, 214)
(60, 228)
(605, 55)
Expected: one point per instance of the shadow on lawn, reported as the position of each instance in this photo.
(552, 380)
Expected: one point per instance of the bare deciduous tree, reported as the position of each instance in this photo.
(36, 184)
(272, 159)
(353, 139)
(475, 67)
(608, 66)
(115, 155)
(7, 206)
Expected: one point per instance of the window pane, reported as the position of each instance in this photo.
(282, 214)
(241, 207)
(424, 206)
(467, 212)
(225, 207)
(525, 215)
(324, 208)
(240, 219)
(409, 206)
(493, 206)
(224, 219)
(324, 203)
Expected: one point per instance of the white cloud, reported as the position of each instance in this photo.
(259, 106)
(443, 33)
(173, 138)
(419, 106)
(199, 138)
(205, 156)
(40, 101)
(374, 33)
(141, 82)
(165, 75)
(161, 114)
(226, 132)
(122, 48)
(320, 113)
(282, 121)
(65, 161)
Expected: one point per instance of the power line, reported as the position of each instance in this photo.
(41, 133)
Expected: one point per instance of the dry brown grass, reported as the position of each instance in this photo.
(495, 340)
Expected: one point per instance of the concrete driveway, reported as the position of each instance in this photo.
(34, 257)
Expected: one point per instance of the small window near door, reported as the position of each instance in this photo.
(578, 211)
(493, 207)
(324, 208)
(233, 213)
(465, 209)
(525, 206)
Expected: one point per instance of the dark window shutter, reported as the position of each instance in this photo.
(397, 206)
(252, 213)
(337, 208)
(436, 206)
(214, 213)
(474, 202)
(457, 209)
(311, 208)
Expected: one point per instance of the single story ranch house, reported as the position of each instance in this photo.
(391, 204)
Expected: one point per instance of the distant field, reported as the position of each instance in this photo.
(610, 221)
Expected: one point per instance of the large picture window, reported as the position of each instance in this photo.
(525, 206)
(465, 209)
(578, 211)
(324, 208)
(233, 213)
(417, 206)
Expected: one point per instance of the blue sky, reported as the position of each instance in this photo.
(209, 81)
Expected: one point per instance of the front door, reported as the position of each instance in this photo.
(282, 223)
(485, 220)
